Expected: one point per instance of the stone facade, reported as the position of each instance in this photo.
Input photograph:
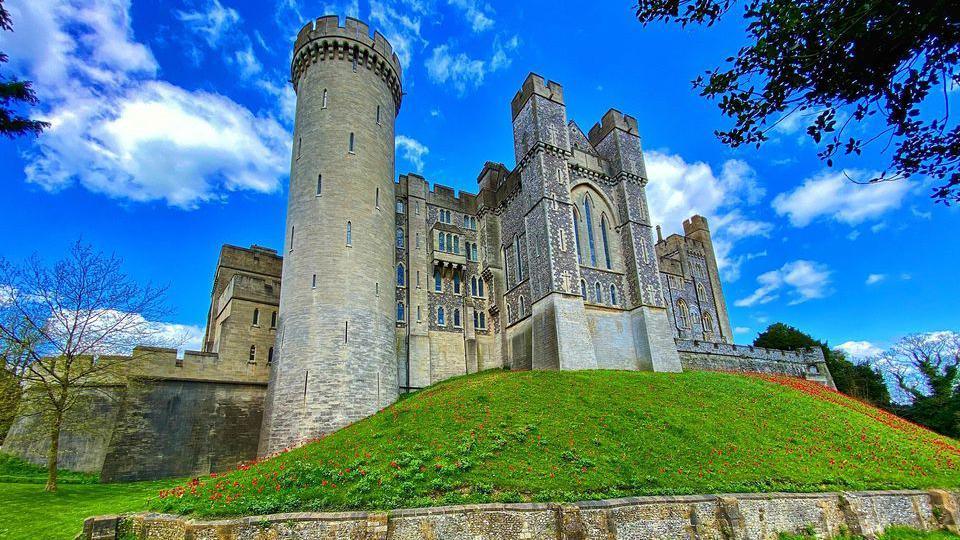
(758, 516)
(390, 286)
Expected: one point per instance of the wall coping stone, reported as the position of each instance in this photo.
(568, 514)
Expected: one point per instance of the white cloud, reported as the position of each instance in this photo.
(446, 65)
(858, 350)
(477, 15)
(247, 62)
(182, 336)
(401, 27)
(803, 280)
(412, 150)
(921, 214)
(741, 330)
(873, 279)
(679, 189)
(831, 195)
(212, 22)
(118, 131)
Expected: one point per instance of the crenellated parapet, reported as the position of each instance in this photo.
(536, 85)
(325, 40)
(613, 119)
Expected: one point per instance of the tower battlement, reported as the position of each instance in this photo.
(695, 223)
(613, 119)
(536, 85)
(325, 39)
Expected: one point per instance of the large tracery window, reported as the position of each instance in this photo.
(683, 313)
(594, 228)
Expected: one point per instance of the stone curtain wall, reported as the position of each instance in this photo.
(705, 356)
(706, 517)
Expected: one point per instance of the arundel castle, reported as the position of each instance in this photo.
(388, 285)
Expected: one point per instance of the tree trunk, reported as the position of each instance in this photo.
(53, 453)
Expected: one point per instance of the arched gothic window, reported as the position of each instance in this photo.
(480, 286)
(701, 292)
(598, 292)
(401, 315)
(707, 323)
(522, 306)
(449, 242)
(509, 314)
(437, 282)
(456, 318)
(400, 238)
(683, 312)
(256, 317)
(401, 275)
(443, 244)
(603, 236)
(456, 245)
(441, 320)
(576, 234)
(473, 286)
(583, 289)
(588, 213)
(273, 320)
(516, 244)
(613, 294)
(456, 282)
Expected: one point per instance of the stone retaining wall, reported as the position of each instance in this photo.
(708, 356)
(759, 516)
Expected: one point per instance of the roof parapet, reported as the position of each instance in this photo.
(536, 85)
(613, 119)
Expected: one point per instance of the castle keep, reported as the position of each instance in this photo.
(387, 286)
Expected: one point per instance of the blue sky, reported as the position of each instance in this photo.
(172, 125)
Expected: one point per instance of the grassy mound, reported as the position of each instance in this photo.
(16, 470)
(562, 436)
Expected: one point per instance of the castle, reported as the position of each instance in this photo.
(387, 286)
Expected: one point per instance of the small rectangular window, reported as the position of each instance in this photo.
(319, 183)
(351, 143)
(378, 115)
(314, 285)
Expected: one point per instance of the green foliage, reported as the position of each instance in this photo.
(27, 511)
(14, 92)
(857, 380)
(564, 436)
(16, 470)
(847, 66)
(894, 533)
(9, 400)
(927, 369)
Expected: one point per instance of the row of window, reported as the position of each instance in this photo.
(684, 318)
(256, 318)
(598, 293)
(253, 355)
(479, 317)
(522, 308)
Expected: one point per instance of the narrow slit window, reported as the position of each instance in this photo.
(253, 354)
(319, 184)
(349, 234)
(324, 104)
(346, 331)
(378, 115)
(351, 142)
(314, 285)
(376, 200)
(293, 229)
(256, 317)
(270, 356)
(273, 320)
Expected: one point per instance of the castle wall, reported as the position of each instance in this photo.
(760, 516)
(83, 444)
(704, 356)
(171, 428)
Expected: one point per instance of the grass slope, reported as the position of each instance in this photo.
(562, 436)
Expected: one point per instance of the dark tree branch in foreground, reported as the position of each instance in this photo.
(840, 63)
(14, 92)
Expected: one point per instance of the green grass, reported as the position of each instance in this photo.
(561, 436)
(896, 533)
(564, 436)
(27, 511)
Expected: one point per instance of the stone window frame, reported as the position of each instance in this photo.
(707, 321)
(683, 314)
(273, 320)
(400, 206)
(401, 275)
(701, 292)
(252, 358)
(457, 318)
(256, 317)
(441, 317)
(521, 307)
(598, 292)
(613, 295)
(437, 281)
(583, 289)
(401, 312)
(323, 102)
(401, 238)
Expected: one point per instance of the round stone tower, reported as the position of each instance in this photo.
(335, 356)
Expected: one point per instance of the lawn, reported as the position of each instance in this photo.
(891, 534)
(26, 511)
(565, 436)
(539, 436)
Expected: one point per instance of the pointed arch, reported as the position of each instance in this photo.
(613, 295)
(583, 288)
(707, 323)
(401, 275)
(598, 292)
(683, 313)
(603, 236)
(588, 215)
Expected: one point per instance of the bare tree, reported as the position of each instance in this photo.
(925, 372)
(73, 325)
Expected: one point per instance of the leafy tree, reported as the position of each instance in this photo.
(13, 92)
(926, 370)
(840, 63)
(858, 380)
(70, 324)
